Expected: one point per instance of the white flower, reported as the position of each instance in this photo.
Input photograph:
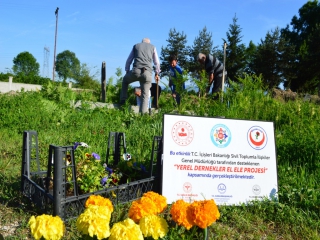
(83, 144)
(126, 156)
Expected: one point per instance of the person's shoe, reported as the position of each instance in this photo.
(215, 96)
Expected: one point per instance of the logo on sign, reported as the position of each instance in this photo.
(256, 189)
(257, 137)
(182, 133)
(222, 188)
(187, 187)
(220, 136)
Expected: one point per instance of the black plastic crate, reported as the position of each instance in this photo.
(49, 189)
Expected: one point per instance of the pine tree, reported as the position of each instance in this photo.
(271, 59)
(235, 52)
(201, 44)
(176, 46)
(250, 53)
(304, 37)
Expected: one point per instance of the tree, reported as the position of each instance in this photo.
(85, 79)
(287, 65)
(120, 77)
(304, 37)
(176, 46)
(25, 65)
(67, 65)
(271, 59)
(204, 44)
(235, 52)
(249, 53)
(118, 84)
(314, 58)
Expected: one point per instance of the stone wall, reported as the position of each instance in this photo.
(11, 86)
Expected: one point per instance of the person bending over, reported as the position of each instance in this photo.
(142, 55)
(214, 69)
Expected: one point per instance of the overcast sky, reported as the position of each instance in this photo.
(98, 31)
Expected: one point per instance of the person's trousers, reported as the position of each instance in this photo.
(145, 79)
(217, 84)
(178, 98)
(154, 94)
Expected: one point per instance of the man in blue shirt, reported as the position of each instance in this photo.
(214, 68)
(173, 69)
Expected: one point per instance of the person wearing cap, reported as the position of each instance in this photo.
(142, 55)
(214, 68)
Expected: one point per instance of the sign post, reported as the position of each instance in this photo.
(230, 161)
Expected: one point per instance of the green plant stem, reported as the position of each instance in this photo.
(205, 233)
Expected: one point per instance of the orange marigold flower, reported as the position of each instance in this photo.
(99, 201)
(178, 212)
(203, 213)
(142, 207)
(159, 200)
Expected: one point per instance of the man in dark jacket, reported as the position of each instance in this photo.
(214, 68)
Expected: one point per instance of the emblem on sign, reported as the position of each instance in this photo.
(187, 187)
(220, 136)
(222, 188)
(257, 137)
(256, 189)
(182, 133)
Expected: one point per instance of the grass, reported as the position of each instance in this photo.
(295, 216)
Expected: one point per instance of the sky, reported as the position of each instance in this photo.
(98, 31)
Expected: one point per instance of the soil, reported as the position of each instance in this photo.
(288, 95)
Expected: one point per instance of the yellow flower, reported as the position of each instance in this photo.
(99, 201)
(159, 200)
(94, 221)
(47, 227)
(153, 226)
(178, 212)
(126, 230)
(203, 213)
(142, 207)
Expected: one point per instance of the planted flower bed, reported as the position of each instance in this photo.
(73, 174)
(148, 218)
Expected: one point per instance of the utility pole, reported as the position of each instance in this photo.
(55, 44)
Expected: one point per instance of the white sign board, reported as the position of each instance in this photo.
(230, 161)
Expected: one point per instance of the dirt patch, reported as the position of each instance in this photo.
(9, 229)
(284, 95)
(11, 93)
(288, 95)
